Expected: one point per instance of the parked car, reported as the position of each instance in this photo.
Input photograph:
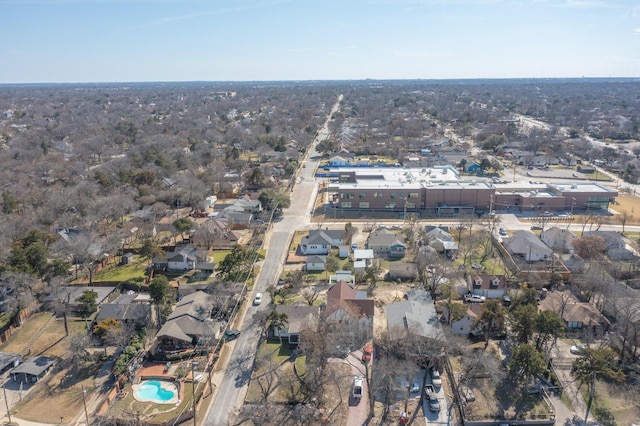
(476, 266)
(258, 299)
(357, 387)
(536, 227)
(502, 232)
(435, 378)
(430, 394)
(577, 349)
(366, 353)
(230, 335)
(474, 298)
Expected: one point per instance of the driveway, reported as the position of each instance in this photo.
(358, 410)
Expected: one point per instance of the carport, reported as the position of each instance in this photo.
(32, 369)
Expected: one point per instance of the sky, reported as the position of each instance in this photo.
(78, 41)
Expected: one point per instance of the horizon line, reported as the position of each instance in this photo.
(318, 80)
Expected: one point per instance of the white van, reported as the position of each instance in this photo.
(357, 387)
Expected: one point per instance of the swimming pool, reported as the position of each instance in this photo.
(158, 391)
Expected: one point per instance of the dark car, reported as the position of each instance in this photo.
(230, 335)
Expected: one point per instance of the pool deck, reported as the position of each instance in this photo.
(175, 399)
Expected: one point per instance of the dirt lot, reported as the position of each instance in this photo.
(629, 204)
(59, 394)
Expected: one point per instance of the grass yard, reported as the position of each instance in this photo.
(219, 255)
(135, 270)
(297, 238)
(22, 336)
(618, 401)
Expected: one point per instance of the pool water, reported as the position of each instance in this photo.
(152, 390)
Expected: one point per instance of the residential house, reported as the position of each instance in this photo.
(320, 241)
(300, 318)
(578, 316)
(403, 271)
(466, 325)
(183, 258)
(386, 243)
(70, 294)
(615, 245)
(341, 159)
(215, 233)
(346, 304)
(416, 314)
(316, 263)
(441, 240)
(188, 325)
(489, 286)
(558, 239)
(527, 245)
(126, 311)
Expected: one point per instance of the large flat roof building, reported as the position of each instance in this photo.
(441, 191)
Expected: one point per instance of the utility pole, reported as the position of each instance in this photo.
(193, 391)
(84, 403)
(6, 402)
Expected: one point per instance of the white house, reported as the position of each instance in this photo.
(527, 245)
(341, 159)
(489, 286)
(558, 239)
(464, 325)
(320, 241)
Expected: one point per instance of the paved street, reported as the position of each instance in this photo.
(232, 382)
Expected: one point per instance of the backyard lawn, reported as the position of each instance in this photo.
(134, 271)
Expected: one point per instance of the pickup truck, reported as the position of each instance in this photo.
(430, 395)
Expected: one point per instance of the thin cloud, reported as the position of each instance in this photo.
(636, 31)
(223, 11)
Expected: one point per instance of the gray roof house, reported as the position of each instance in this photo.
(183, 258)
(300, 317)
(615, 245)
(136, 314)
(417, 314)
(320, 241)
(441, 240)
(558, 239)
(527, 245)
(386, 243)
(189, 323)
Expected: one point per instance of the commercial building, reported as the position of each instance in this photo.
(440, 190)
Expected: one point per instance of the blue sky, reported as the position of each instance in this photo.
(213, 40)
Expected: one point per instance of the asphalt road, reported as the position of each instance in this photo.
(233, 384)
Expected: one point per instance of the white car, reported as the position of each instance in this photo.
(577, 349)
(258, 299)
(474, 298)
